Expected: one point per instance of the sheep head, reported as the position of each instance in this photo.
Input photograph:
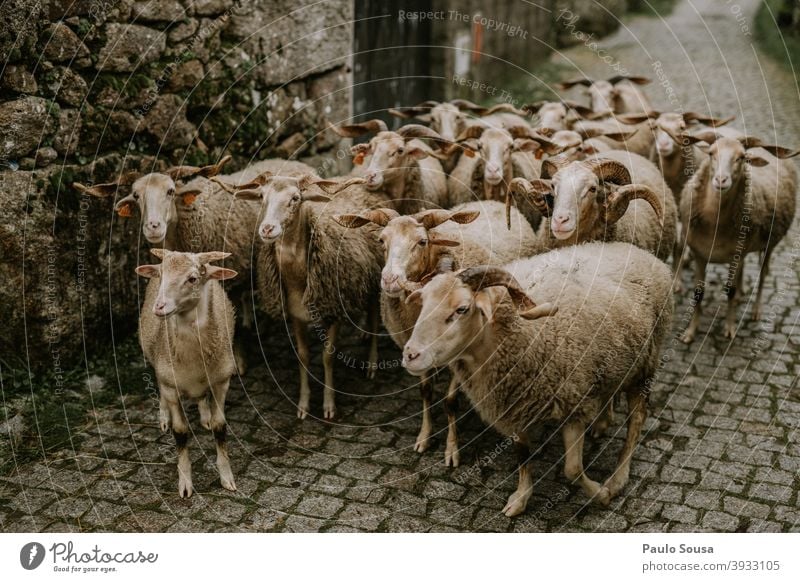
(155, 194)
(454, 311)
(282, 197)
(730, 156)
(392, 152)
(448, 119)
(556, 115)
(412, 249)
(182, 277)
(589, 196)
(604, 94)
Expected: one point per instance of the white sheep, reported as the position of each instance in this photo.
(419, 246)
(312, 271)
(186, 331)
(740, 200)
(399, 164)
(619, 94)
(603, 311)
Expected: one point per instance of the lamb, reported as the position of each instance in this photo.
(415, 248)
(740, 200)
(613, 196)
(311, 270)
(619, 94)
(401, 164)
(186, 329)
(561, 361)
(492, 158)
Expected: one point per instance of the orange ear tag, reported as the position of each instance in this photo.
(188, 199)
(125, 211)
(539, 153)
(469, 153)
(359, 159)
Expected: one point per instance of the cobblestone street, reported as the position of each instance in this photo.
(720, 451)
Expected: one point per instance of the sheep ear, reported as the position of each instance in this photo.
(309, 196)
(188, 197)
(255, 194)
(486, 302)
(414, 297)
(148, 271)
(756, 161)
(417, 153)
(443, 242)
(97, 190)
(465, 216)
(160, 253)
(526, 145)
(185, 172)
(219, 273)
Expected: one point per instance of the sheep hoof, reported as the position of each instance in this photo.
(422, 444)
(678, 288)
(730, 331)
(687, 337)
(603, 497)
(756, 315)
(371, 373)
(184, 488)
(329, 411)
(451, 456)
(516, 504)
(228, 483)
(164, 420)
(302, 412)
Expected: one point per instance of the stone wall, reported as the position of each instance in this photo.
(89, 88)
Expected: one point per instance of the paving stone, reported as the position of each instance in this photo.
(319, 505)
(718, 521)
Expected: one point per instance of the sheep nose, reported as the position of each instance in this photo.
(154, 224)
(721, 182)
(389, 278)
(560, 219)
(267, 229)
(411, 355)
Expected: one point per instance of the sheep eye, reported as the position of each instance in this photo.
(192, 280)
(171, 191)
(422, 242)
(295, 197)
(462, 310)
(400, 152)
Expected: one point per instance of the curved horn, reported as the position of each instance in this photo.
(636, 80)
(570, 84)
(536, 192)
(617, 202)
(472, 132)
(478, 278)
(609, 171)
(379, 216)
(359, 129)
(551, 166)
(414, 130)
(690, 116)
(186, 172)
(468, 105)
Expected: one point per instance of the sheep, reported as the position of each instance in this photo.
(671, 149)
(638, 139)
(561, 361)
(577, 145)
(556, 115)
(415, 248)
(613, 196)
(182, 210)
(310, 270)
(186, 329)
(492, 158)
(619, 94)
(401, 164)
(740, 200)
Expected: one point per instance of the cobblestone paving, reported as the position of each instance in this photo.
(721, 450)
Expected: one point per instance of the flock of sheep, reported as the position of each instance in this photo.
(525, 250)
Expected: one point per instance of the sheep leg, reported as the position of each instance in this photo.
(329, 393)
(180, 431)
(304, 356)
(604, 419)
(733, 287)
(205, 412)
(426, 392)
(518, 500)
(573, 433)
(219, 426)
(163, 413)
(762, 275)
(700, 264)
(679, 258)
(373, 322)
(637, 414)
(451, 454)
